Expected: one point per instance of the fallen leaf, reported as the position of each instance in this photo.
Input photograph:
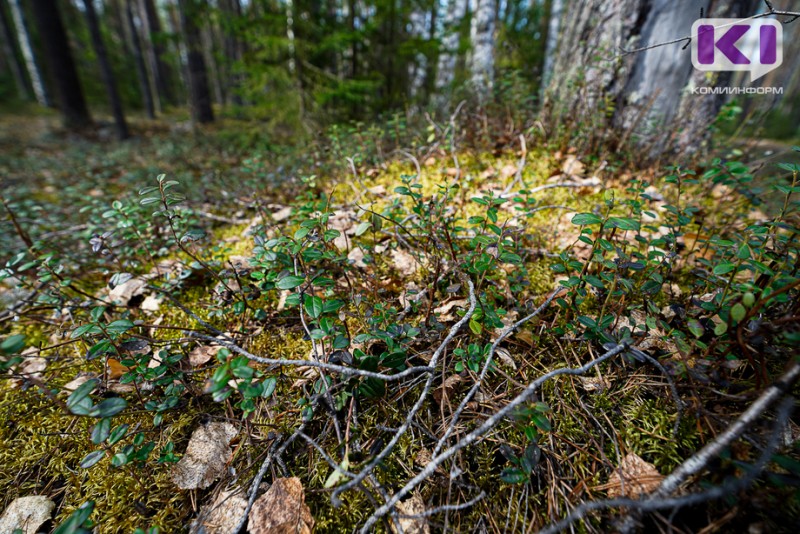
(116, 369)
(356, 257)
(151, 303)
(443, 311)
(123, 293)
(27, 514)
(221, 516)
(281, 510)
(404, 262)
(202, 354)
(412, 525)
(448, 387)
(74, 384)
(572, 166)
(205, 457)
(639, 478)
(504, 356)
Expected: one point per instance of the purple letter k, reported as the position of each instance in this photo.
(726, 44)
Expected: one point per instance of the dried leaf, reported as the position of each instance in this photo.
(448, 387)
(639, 477)
(27, 514)
(221, 516)
(123, 293)
(116, 369)
(205, 457)
(151, 303)
(202, 354)
(74, 384)
(281, 510)
(412, 525)
(404, 262)
(443, 312)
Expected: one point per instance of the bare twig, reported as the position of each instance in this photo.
(487, 425)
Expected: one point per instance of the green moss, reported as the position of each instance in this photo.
(42, 450)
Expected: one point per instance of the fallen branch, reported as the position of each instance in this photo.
(487, 425)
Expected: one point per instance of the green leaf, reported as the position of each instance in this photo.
(313, 306)
(738, 312)
(724, 268)
(475, 326)
(623, 223)
(101, 431)
(119, 459)
(541, 421)
(290, 282)
(269, 387)
(362, 228)
(84, 330)
(117, 434)
(119, 326)
(81, 393)
(584, 219)
(13, 344)
(108, 407)
(77, 520)
(513, 475)
(92, 458)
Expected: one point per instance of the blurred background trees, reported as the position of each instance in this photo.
(295, 65)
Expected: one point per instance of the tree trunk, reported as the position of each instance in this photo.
(232, 11)
(105, 71)
(448, 52)
(10, 53)
(138, 59)
(199, 94)
(636, 101)
(482, 38)
(417, 68)
(27, 53)
(161, 72)
(553, 26)
(60, 64)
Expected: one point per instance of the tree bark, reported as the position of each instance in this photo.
(60, 63)
(105, 71)
(553, 27)
(634, 101)
(10, 54)
(199, 94)
(27, 53)
(232, 11)
(448, 52)
(162, 75)
(138, 59)
(482, 58)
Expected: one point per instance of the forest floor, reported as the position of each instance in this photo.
(356, 319)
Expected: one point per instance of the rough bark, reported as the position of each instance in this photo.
(60, 64)
(637, 101)
(138, 59)
(10, 55)
(23, 38)
(448, 52)
(553, 27)
(162, 75)
(481, 63)
(199, 94)
(105, 71)
(232, 11)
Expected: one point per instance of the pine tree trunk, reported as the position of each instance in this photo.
(553, 27)
(199, 94)
(23, 38)
(161, 72)
(105, 71)
(634, 101)
(138, 59)
(60, 63)
(482, 39)
(10, 54)
(232, 11)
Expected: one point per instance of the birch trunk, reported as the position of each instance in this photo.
(448, 53)
(482, 39)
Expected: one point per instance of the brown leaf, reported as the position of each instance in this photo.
(448, 387)
(27, 514)
(123, 293)
(444, 311)
(205, 457)
(412, 525)
(116, 369)
(639, 477)
(404, 262)
(281, 510)
(221, 516)
(202, 354)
